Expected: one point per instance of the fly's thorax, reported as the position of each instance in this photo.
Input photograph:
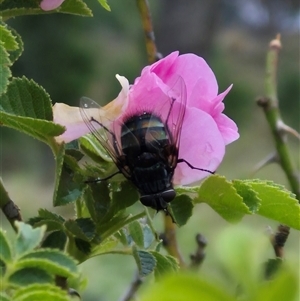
(143, 133)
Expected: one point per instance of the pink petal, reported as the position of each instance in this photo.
(192, 69)
(70, 117)
(201, 145)
(228, 128)
(50, 4)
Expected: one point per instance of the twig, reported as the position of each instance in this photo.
(145, 14)
(198, 257)
(170, 241)
(9, 208)
(269, 103)
(279, 239)
(134, 286)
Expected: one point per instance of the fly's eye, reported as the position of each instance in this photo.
(168, 195)
(147, 200)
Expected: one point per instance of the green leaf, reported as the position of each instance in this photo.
(182, 209)
(30, 275)
(277, 203)
(4, 297)
(50, 260)
(75, 7)
(27, 107)
(14, 54)
(250, 197)
(5, 250)
(41, 292)
(164, 264)
(136, 232)
(148, 236)
(124, 196)
(66, 189)
(82, 228)
(272, 266)
(185, 287)
(28, 238)
(104, 247)
(285, 286)
(83, 246)
(241, 252)
(146, 262)
(55, 240)
(5, 72)
(52, 220)
(104, 4)
(221, 196)
(7, 38)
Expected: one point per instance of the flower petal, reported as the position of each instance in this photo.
(201, 145)
(192, 69)
(70, 117)
(47, 5)
(228, 128)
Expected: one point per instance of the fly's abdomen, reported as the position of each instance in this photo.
(152, 180)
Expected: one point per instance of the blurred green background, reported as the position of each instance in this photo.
(72, 56)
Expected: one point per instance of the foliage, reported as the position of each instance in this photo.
(104, 223)
(28, 273)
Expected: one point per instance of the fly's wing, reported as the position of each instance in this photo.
(99, 126)
(176, 113)
(171, 113)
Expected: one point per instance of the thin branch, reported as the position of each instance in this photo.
(9, 208)
(271, 158)
(145, 14)
(279, 239)
(170, 240)
(269, 103)
(134, 286)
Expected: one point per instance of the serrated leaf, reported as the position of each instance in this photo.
(146, 262)
(41, 292)
(185, 287)
(14, 54)
(7, 38)
(136, 232)
(5, 251)
(125, 196)
(83, 245)
(250, 197)
(104, 4)
(222, 197)
(27, 108)
(277, 203)
(5, 72)
(82, 228)
(104, 247)
(55, 240)
(75, 7)
(164, 264)
(182, 209)
(30, 275)
(28, 238)
(148, 236)
(52, 220)
(66, 189)
(53, 261)
(51, 216)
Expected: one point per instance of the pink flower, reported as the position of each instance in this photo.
(50, 4)
(205, 131)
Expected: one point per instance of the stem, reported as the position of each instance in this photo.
(145, 14)
(169, 236)
(9, 208)
(134, 286)
(170, 240)
(269, 103)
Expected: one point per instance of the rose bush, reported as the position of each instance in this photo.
(205, 130)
